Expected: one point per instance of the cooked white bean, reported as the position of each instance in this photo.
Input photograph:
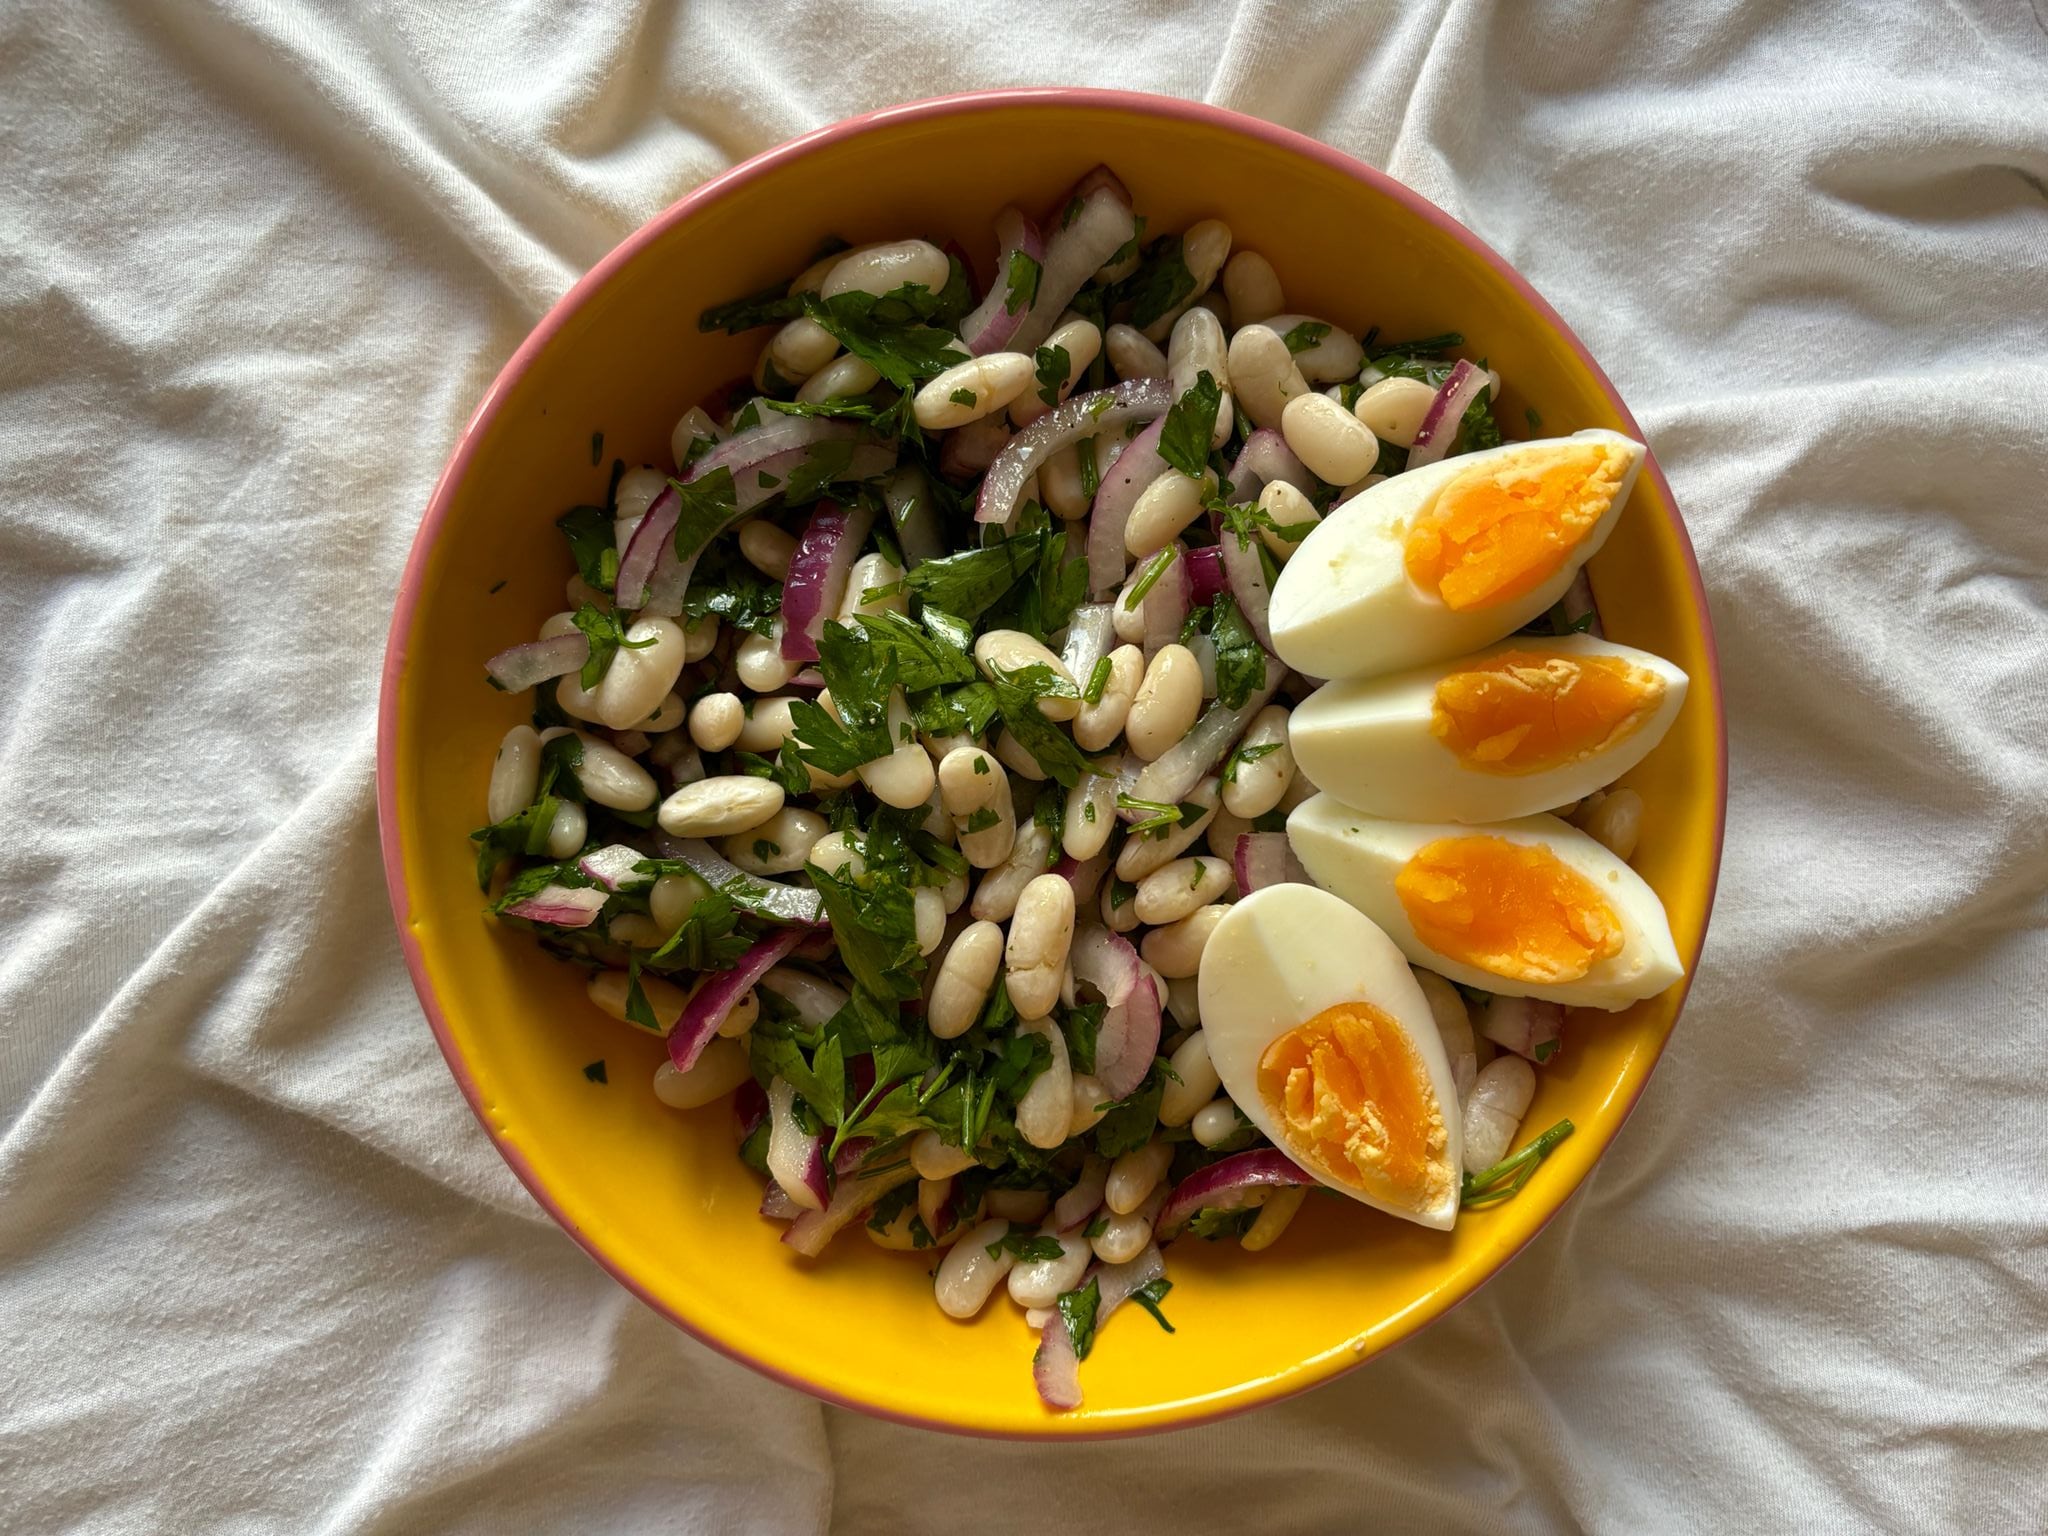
(1335, 355)
(1007, 650)
(1203, 249)
(1329, 440)
(1493, 1110)
(742, 1016)
(781, 845)
(1182, 997)
(1216, 1122)
(1197, 346)
(1100, 723)
(904, 778)
(933, 1195)
(880, 269)
(1088, 1101)
(1224, 831)
(988, 834)
(838, 853)
(1614, 819)
(1059, 480)
(1275, 1212)
(667, 715)
(1263, 376)
(1288, 508)
(637, 489)
(580, 592)
(556, 625)
(967, 1275)
(840, 379)
(635, 932)
(567, 831)
(1041, 933)
(964, 977)
(935, 1158)
(1253, 288)
(672, 899)
(574, 700)
(1174, 890)
(515, 774)
(690, 426)
(610, 989)
(1163, 509)
(1016, 757)
(1047, 1108)
(1082, 343)
(1134, 1176)
(796, 352)
(611, 778)
(996, 897)
(720, 1068)
(1198, 1081)
(1139, 856)
(718, 807)
(1167, 702)
(1176, 949)
(897, 1236)
(1393, 409)
(1124, 1235)
(700, 637)
(760, 664)
(769, 550)
(1132, 355)
(1454, 1028)
(1264, 766)
(969, 779)
(814, 998)
(877, 574)
(1041, 1282)
(716, 721)
(1090, 816)
(1218, 304)
(1016, 1205)
(954, 892)
(971, 390)
(766, 727)
(1119, 911)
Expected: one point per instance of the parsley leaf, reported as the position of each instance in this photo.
(1211, 1224)
(876, 930)
(1190, 424)
(1478, 429)
(726, 584)
(606, 632)
(964, 397)
(1077, 1310)
(922, 658)
(593, 544)
(1022, 280)
(1098, 679)
(971, 582)
(1240, 659)
(1150, 1295)
(1017, 695)
(1030, 1248)
(825, 463)
(709, 939)
(771, 306)
(708, 504)
(595, 1072)
(1130, 1124)
(1162, 282)
(1247, 754)
(828, 745)
(889, 333)
(1443, 342)
(964, 711)
(1305, 336)
(1082, 1025)
(1053, 364)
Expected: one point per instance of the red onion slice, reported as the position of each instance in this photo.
(649, 539)
(1085, 877)
(1203, 649)
(1119, 1281)
(777, 1206)
(1076, 249)
(1205, 573)
(1228, 1185)
(1247, 573)
(560, 906)
(615, 866)
(1180, 768)
(1128, 1040)
(817, 575)
(1056, 1366)
(908, 496)
(1264, 459)
(1166, 605)
(716, 994)
(1105, 961)
(1090, 634)
(1446, 412)
(1084, 1199)
(775, 434)
(534, 662)
(969, 450)
(764, 898)
(795, 1161)
(811, 1231)
(749, 1108)
(1266, 858)
(1102, 410)
(991, 325)
(1137, 467)
(1523, 1025)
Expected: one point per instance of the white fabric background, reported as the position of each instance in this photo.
(259, 1270)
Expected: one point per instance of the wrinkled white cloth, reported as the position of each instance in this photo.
(259, 1269)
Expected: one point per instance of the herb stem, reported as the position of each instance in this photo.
(1146, 582)
(1507, 1178)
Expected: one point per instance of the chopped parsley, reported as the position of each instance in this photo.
(1306, 336)
(973, 581)
(1161, 283)
(1077, 1310)
(595, 1072)
(1247, 754)
(1017, 695)
(1150, 1295)
(1053, 366)
(770, 306)
(1240, 659)
(1190, 425)
(1021, 290)
(593, 544)
(1149, 578)
(964, 397)
(1508, 1177)
(1028, 1247)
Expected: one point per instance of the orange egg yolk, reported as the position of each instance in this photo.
(1511, 909)
(1505, 527)
(1522, 711)
(1357, 1106)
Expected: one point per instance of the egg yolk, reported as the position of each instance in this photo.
(1523, 711)
(1505, 527)
(1356, 1104)
(1514, 910)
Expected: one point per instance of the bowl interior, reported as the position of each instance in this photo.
(659, 1197)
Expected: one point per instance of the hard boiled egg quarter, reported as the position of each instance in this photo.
(1450, 557)
(1323, 1038)
(1530, 908)
(1521, 727)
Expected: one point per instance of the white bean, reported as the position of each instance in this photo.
(556, 625)
(1132, 355)
(700, 637)
(796, 352)
(1139, 856)
(995, 898)
(574, 700)
(814, 999)
(838, 853)
(672, 899)
(719, 807)
(1196, 347)
(1016, 1205)
(1088, 1101)
(1041, 933)
(720, 1068)
(634, 931)
(1263, 376)
(967, 1275)
(880, 269)
(610, 989)
(1041, 1282)
(1047, 1108)
(1493, 1110)
(1176, 949)
(567, 831)
(1008, 650)
(1174, 890)
(1059, 480)
(840, 379)
(935, 1158)
(690, 426)
(1167, 703)
(1097, 725)
(781, 845)
(515, 774)
(1134, 1176)
(760, 664)
(1218, 304)
(964, 977)
(1253, 288)
(988, 843)
(1288, 508)
(1124, 1236)
(954, 892)
(610, 778)
(638, 679)
(1183, 1002)
(872, 573)
(1260, 776)
(1329, 440)
(1163, 509)
(1203, 249)
(904, 778)
(1016, 757)
(668, 714)
(968, 780)
(971, 390)
(716, 721)
(769, 550)
(637, 489)
(1198, 1081)
(581, 593)
(1335, 355)
(1393, 409)
(742, 1016)
(1615, 820)
(766, 727)
(1090, 816)
(1119, 911)
(1082, 343)
(1216, 1122)
(1224, 831)
(1277, 1210)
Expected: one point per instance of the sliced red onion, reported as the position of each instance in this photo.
(817, 575)
(1090, 634)
(1135, 469)
(1105, 961)
(560, 906)
(718, 991)
(969, 450)
(1128, 1040)
(776, 433)
(908, 495)
(649, 539)
(1084, 1199)
(811, 1231)
(1266, 858)
(990, 326)
(1247, 574)
(1119, 1281)
(808, 677)
(1264, 459)
(1228, 1185)
(749, 1108)
(1055, 1368)
(764, 898)
(1203, 649)
(1577, 603)
(1446, 413)
(1102, 410)
(1205, 573)
(1523, 1025)
(795, 1161)
(615, 866)
(1167, 604)
(1169, 777)
(1101, 176)
(776, 1204)
(1075, 250)
(534, 662)
(950, 1211)
(1085, 877)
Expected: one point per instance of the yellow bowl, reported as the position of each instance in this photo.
(658, 1197)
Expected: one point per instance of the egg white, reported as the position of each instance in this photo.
(1357, 857)
(1345, 605)
(1281, 956)
(1368, 742)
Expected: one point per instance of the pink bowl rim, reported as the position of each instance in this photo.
(413, 579)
